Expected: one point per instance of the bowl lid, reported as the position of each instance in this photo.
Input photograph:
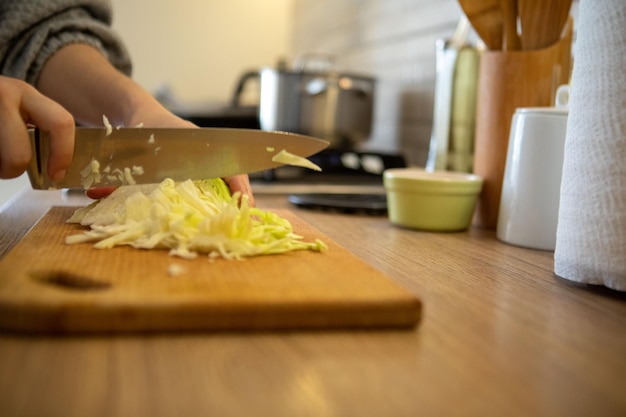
(420, 180)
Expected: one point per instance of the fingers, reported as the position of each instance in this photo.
(97, 193)
(51, 117)
(241, 183)
(15, 151)
(20, 104)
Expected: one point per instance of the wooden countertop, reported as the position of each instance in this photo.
(500, 336)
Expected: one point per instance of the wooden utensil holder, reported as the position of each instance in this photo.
(508, 80)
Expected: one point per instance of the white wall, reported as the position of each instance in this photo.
(200, 47)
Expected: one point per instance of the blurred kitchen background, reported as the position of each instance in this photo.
(196, 50)
(192, 54)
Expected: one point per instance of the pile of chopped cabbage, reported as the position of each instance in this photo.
(188, 218)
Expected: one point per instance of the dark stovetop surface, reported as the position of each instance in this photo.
(344, 166)
(234, 117)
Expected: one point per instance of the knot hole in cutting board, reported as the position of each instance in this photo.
(69, 280)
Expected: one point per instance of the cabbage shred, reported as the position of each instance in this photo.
(193, 217)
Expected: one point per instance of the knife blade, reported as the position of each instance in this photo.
(149, 155)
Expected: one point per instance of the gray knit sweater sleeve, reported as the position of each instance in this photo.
(32, 30)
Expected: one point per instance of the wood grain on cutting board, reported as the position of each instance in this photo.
(48, 286)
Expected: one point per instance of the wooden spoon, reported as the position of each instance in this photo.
(486, 19)
(509, 13)
(542, 21)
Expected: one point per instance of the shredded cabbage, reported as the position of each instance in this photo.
(188, 218)
(288, 158)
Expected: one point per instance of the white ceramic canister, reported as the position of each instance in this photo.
(529, 205)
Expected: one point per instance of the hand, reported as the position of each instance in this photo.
(80, 77)
(241, 183)
(20, 104)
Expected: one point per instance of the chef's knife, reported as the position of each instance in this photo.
(149, 155)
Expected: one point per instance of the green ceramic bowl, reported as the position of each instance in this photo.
(437, 201)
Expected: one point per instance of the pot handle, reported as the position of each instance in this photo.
(243, 80)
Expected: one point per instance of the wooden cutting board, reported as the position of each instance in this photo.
(47, 286)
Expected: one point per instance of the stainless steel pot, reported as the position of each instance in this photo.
(327, 104)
